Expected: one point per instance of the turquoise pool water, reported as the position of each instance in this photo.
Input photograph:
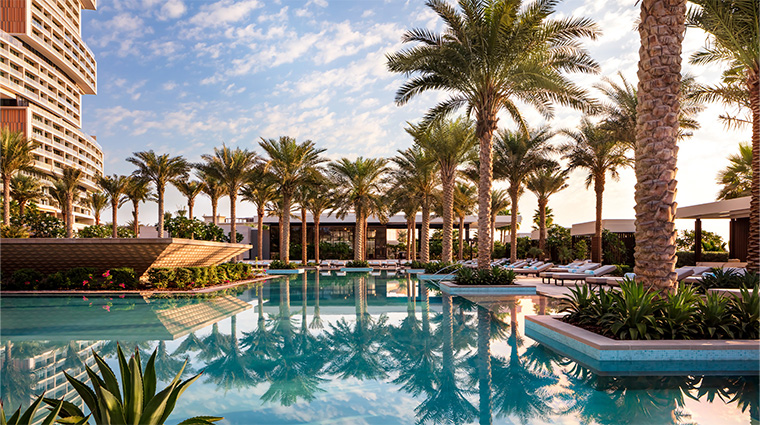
(367, 350)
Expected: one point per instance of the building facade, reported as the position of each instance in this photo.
(45, 69)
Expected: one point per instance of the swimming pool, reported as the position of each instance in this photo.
(367, 350)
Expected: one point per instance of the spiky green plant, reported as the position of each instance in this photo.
(27, 418)
(136, 402)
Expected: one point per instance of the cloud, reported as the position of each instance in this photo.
(169, 85)
(172, 9)
(223, 13)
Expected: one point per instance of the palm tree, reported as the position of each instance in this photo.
(318, 200)
(213, 189)
(619, 110)
(491, 55)
(545, 182)
(65, 189)
(401, 198)
(733, 39)
(15, 155)
(160, 170)
(359, 185)
(138, 190)
(115, 187)
(25, 189)
(260, 191)
(449, 144)
(737, 177)
(97, 202)
(594, 149)
(292, 164)
(517, 154)
(190, 189)
(465, 202)
(500, 201)
(418, 172)
(233, 168)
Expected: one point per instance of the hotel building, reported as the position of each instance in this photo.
(45, 68)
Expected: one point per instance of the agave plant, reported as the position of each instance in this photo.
(636, 312)
(28, 417)
(136, 402)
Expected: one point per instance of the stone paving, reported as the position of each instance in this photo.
(550, 290)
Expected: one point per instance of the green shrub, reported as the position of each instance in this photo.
(58, 280)
(686, 258)
(27, 278)
(78, 275)
(716, 317)
(535, 252)
(95, 231)
(622, 269)
(493, 276)
(635, 312)
(281, 265)
(182, 277)
(580, 250)
(727, 279)
(125, 275)
(436, 266)
(745, 309)
(679, 319)
(358, 263)
(200, 276)
(417, 264)
(160, 277)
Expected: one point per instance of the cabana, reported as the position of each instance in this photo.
(736, 210)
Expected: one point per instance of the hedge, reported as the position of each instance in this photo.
(76, 278)
(686, 258)
(198, 277)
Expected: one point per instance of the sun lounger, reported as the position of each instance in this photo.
(681, 274)
(560, 278)
(516, 265)
(562, 269)
(698, 274)
(529, 270)
(546, 277)
(326, 273)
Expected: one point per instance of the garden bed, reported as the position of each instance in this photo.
(608, 355)
(464, 290)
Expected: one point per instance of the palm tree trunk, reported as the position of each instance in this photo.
(366, 238)
(260, 232)
(513, 196)
(461, 238)
(285, 233)
(753, 249)
(70, 215)
(21, 205)
(542, 225)
(493, 229)
(413, 238)
(316, 238)
(484, 365)
(304, 252)
(190, 205)
(425, 237)
(160, 191)
(408, 238)
(6, 199)
(599, 191)
(213, 210)
(486, 124)
(358, 235)
(114, 215)
(135, 220)
(448, 176)
(97, 217)
(661, 32)
(233, 216)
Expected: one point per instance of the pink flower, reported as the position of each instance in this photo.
(84, 298)
(110, 298)
(123, 286)
(90, 304)
(121, 296)
(107, 273)
(107, 308)
(85, 282)
(26, 283)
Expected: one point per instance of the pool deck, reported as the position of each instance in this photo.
(549, 290)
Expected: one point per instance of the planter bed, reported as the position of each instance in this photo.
(356, 269)
(447, 276)
(620, 357)
(454, 289)
(285, 271)
(136, 292)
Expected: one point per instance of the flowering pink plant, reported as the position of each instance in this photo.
(107, 273)
(123, 286)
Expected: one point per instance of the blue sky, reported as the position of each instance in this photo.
(184, 76)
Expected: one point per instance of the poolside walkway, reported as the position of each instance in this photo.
(550, 290)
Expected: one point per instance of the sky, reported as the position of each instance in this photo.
(184, 77)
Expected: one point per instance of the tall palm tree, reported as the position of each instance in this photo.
(465, 202)
(25, 189)
(292, 164)
(449, 144)
(214, 189)
(734, 38)
(500, 201)
(358, 186)
(401, 198)
(15, 155)
(736, 178)
(160, 170)
(419, 173)
(619, 109)
(233, 168)
(517, 154)
(318, 200)
(595, 150)
(491, 55)
(138, 190)
(545, 182)
(97, 202)
(190, 189)
(115, 187)
(260, 191)
(67, 188)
